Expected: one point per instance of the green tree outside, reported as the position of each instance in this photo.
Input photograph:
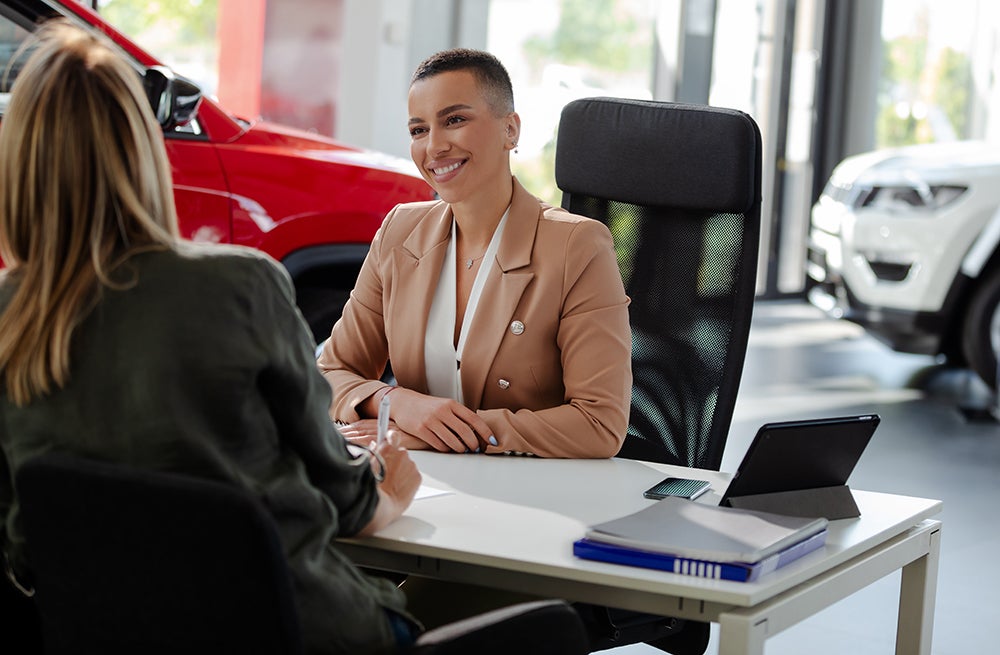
(600, 34)
(604, 37)
(953, 89)
(189, 21)
(914, 84)
(181, 33)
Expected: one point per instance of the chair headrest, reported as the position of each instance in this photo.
(659, 154)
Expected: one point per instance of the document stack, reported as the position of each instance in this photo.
(691, 538)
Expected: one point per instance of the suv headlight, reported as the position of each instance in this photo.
(908, 198)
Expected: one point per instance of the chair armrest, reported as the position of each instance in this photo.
(546, 627)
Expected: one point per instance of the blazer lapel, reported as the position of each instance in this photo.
(416, 268)
(501, 294)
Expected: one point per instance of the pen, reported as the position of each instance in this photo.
(383, 420)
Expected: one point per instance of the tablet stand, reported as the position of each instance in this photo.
(828, 502)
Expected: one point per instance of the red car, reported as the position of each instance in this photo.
(308, 201)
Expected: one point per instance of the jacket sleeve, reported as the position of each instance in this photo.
(354, 358)
(298, 398)
(594, 340)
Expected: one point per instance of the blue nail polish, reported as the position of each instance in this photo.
(493, 441)
(477, 449)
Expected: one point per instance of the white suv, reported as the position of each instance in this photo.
(905, 242)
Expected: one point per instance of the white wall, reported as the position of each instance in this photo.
(384, 42)
(373, 80)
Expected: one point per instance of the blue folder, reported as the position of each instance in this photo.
(739, 571)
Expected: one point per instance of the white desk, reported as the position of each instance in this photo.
(511, 521)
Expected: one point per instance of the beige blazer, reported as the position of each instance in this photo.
(547, 363)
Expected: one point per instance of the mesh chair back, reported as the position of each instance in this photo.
(131, 561)
(679, 188)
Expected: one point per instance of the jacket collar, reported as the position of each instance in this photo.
(518, 237)
(519, 233)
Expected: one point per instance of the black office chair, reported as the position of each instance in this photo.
(134, 561)
(679, 188)
(19, 628)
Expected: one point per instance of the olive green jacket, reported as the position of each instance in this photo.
(203, 365)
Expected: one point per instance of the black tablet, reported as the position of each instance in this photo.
(794, 455)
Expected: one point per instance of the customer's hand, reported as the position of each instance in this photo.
(397, 489)
(441, 423)
(402, 479)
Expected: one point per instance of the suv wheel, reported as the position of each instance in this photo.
(321, 308)
(981, 329)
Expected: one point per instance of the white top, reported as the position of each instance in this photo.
(442, 358)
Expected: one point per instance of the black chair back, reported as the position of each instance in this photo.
(679, 187)
(131, 561)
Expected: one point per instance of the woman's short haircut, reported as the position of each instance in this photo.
(490, 74)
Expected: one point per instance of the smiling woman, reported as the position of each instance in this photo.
(505, 319)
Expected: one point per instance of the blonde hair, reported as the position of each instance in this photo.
(84, 184)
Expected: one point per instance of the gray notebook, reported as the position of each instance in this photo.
(686, 528)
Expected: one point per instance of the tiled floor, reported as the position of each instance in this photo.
(801, 365)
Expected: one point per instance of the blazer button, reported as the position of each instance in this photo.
(503, 384)
(517, 327)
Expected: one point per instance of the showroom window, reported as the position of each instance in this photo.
(926, 89)
(182, 33)
(568, 49)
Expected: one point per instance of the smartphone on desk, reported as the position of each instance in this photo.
(679, 487)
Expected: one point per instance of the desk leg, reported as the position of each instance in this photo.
(741, 635)
(917, 591)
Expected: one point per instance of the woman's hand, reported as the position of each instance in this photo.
(397, 489)
(365, 433)
(441, 423)
(361, 433)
